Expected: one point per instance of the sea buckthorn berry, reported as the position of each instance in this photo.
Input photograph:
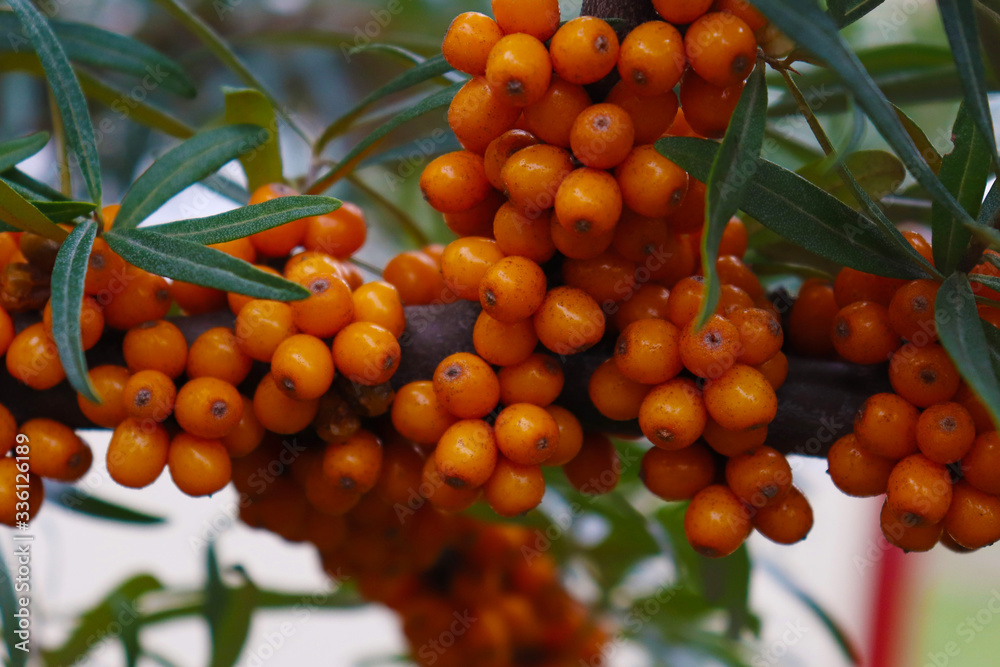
(503, 343)
(588, 199)
(466, 454)
(862, 335)
(32, 359)
(651, 115)
(366, 353)
(908, 533)
(613, 394)
(584, 50)
(651, 185)
(513, 488)
(418, 415)
(279, 413)
(570, 439)
(981, 464)
(550, 119)
(8, 430)
(648, 351)
(741, 398)
(760, 334)
(721, 48)
(208, 407)
(400, 473)
(196, 299)
(967, 398)
(12, 490)
(607, 278)
(602, 136)
(55, 451)
(91, 324)
(199, 467)
(444, 497)
(681, 12)
(327, 498)
(855, 470)
(569, 321)
(911, 311)
(109, 385)
(454, 182)
(973, 519)
(917, 241)
(716, 522)
(522, 236)
(502, 149)
(247, 434)
(468, 42)
(532, 177)
(651, 58)
(945, 432)
(537, 380)
(775, 370)
(137, 453)
(689, 216)
(685, 300)
(478, 114)
(237, 301)
(144, 297)
(707, 108)
(923, 375)
(733, 443)
(886, 426)
(378, 302)
(649, 302)
(710, 350)
(354, 464)
(512, 289)
(743, 9)
(156, 345)
(478, 220)
(677, 475)
(466, 386)
(787, 520)
(852, 285)
(281, 240)
(106, 272)
(464, 263)
(416, 276)
(335, 420)
(8, 247)
(538, 18)
(579, 245)
(526, 434)
(262, 325)
(919, 490)
(519, 69)
(811, 319)
(303, 265)
(217, 353)
(734, 238)
(732, 271)
(302, 367)
(759, 477)
(596, 469)
(340, 233)
(673, 414)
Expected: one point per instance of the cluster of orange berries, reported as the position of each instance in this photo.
(929, 445)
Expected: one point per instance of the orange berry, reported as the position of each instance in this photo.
(538, 18)
(468, 41)
(673, 415)
(907, 533)
(354, 464)
(775, 370)
(247, 434)
(584, 50)
(33, 360)
(302, 266)
(886, 426)
(237, 301)
(733, 443)
(588, 199)
(156, 345)
(478, 220)
(512, 289)
(602, 136)
(689, 216)
(923, 375)
(241, 248)
(787, 520)
(340, 233)
(196, 299)
(651, 115)
(677, 475)
(513, 488)
(596, 469)
(707, 108)
(302, 367)
(811, 319)
(208, 407)
(537, 380)
(464, 263)
(279, 413)
(466, 454)
(7, 331)
(681, 12)
(503, 343)
(143, 297)
(651, 185)
(199, 467)
(502, 149)
(109, 384)
(517, 234)
(526, 434)
(743, 9)
(550, 119)
(91, 324)
(734, 238)
(760, 334)
(648, 351)
(281, 240)
(607, 278)
(680, 127)
(981, 464)
(366, 353)
(919, 490)
(55, 451)
(13, 493)
(741, 398)
(379, 302)
(335, 419)
(721, 48)
(862, 335)
(217, 353)
(613, 394)
(967, 398)
(579, 245)
(455, 182)
(857, 471)
(911, 311)
(759, 477)
(417, 278)
(519, 69)
(418, 415)
(532, 177)
(149, 395)
(400, 472)
(852, 285)
(262, 325)
(106, 272)
(569, 321)
(479, 113)
(444, 497)
(466, 386)
(570, 439)
(651, 58)
(973, 519)
(945, 432)
(648, 301)
(137, 453)
(709, 351)
(716, 522)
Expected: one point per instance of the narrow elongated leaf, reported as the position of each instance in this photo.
(802, 213)
(425, 71)
(67, 298)
(77, 500)
(249, 219)
(964, 172)
(89, 45)
(17, 211)
(846, 12)
(961, 333)
(813, 27)
(991, 206)
(18, 150)
(391, 49)
(64, 211)
(878, 173)
(990, 281)
(730, 177)
(31, 188)
(959, 18)
(919, 137)
(228, 611)
(66, 92)
(183, 166)
(194, 263)
(435, 101)
(251, 107)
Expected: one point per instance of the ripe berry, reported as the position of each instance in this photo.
(156, 345)
(109, 385)
(588, 200)
(468, 42)
(673, 415)
(923, 375)
(651, 59)
(354, 464)
(602, 136)
(55, 451)
(613, 394)
(340, 233)
(596, 469)
(759, 477)
(466, 386)
(539, 18)
(261, 326)
(733, 443)
(651, 115)
(279, 413)
(743, 9)
(775, 370)
(919, 490)
(551, 118)
(503, 343)
(418, 415)
(217, 353)
(277, 241)
(677, 475)
(417, 278)
(523, 236)
(466, 454)
(532, 177)
(811, 319)
(584, 50)
(570, 439)
(710, 350)
(579, 245)
(137, 453)
(945, 432)
(91, 323)
(906, 532)
(149, 395)
(199, 467)
(649, 301)
(502, 149)
(441, 495)
(716, 522)
(855, 470)
(707, 108)
(760, 334)
(786, 521)
(852, 285)
(741, 398)
(862, 335)
(721, 48)
(208, 407)
(32, 358)
(569, 321)
(328, 308)
(454, 182)
(366, 353)
(973, 519)
(981, 464)
(512, 289)
(526, 434)
(648, 351)
(302, 367)
(911, 311)
(464, 263)
(886, 426)
(537, 380)
(247, 434)
(651, 185)
(513, 488)
(8, 430)
(478, 114)
(519, 69)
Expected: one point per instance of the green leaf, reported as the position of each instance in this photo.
(18, 150)
(88, 45)
(877, 172)
(812, 26)
(183, 166)
(9, 606)
(959, 18)
(730, 177)
(921, 140)
(76, 500)
(425, 71)
(67, 299)
(846, 12)
(118, 607)
(961, 333)
(228, 612)
(435, 101)
(64, 211)
(251, 107)
(17, 211)
(964, 172)
(31, 188)
(802, 213)
(69, 99)
(194, 263)
(391, 49)
(990, 281)
(248, 220)
(991, 206)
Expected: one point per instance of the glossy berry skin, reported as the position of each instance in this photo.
(602, 136)
(149, 395)
(648, 351)
(538, 18)
(467, 454)
(379, 302)
(760, 477)
(733, 443)
(366, 353)
(526, 434)
(710, 350)
(569, 321)
(721, 48)
(981, 465)
(417, 278)
(570, 439)
(919, 490)
(886, 426)
(246, 435)
(199, 467)
(679, 474)
(651, 59)
(442, 496)
(278, 241)
(855, 470)
(907, 533)
(911, 311)
(519, 69)
(761, 336)
(513, 488)
(973, 518)
(137, 453)
(55, 451)
(354, 464)
(464, 263)
(466, 386)
(741, 398)
(217, 353)
(945, 432)
(302, 367)
(673, 415)
(707, 108)
(613, 394)
(418, 415)
(328, 308)
(811, 319)
(340, 233)
(786, 521)
(923, 375)
(478, 114)
(261, 326)
(158, 346)
(32, 359)
(588, 200)
(468, 41)
(538, 380)
(551, 118)
(109, 385)
(651, 115)
(502, 149)
(91, 323)
(279, 413)
(861, 333)
(501, 343)
(584, 50)
(651, 185)
(512, 289)
(716, 522)
(454, 182)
